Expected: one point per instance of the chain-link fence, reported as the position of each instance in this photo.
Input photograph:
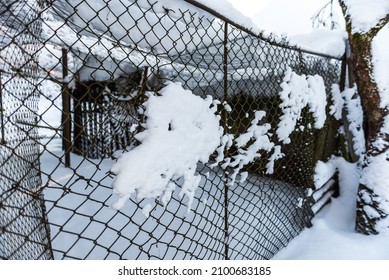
(74, 78)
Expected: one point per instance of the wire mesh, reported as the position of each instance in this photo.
(24, 231)
(74, 78)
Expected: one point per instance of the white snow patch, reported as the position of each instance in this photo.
(277, 154)
(167, 194)
(366, 14)
(146, 210)
(257, 135)
(300, 202)
(380, 64)
(333, 233)
(355, 119)
(323, 173)
(225, 143)
(139, 21)
(298, 92)
(226, 9)
(181, 130)
(317, 99)
(330, 42)
(243, 177)
(336, 109)
(291, 17)
(376, 176)
(371, 212)
(132, 21)
(348, 173)
(351, 102)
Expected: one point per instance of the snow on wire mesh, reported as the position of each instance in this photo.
(298, 92)
(181, 130)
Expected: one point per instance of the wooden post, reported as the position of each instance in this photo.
(142, 96)
(347, 71)
(78, 128)
(66, 117)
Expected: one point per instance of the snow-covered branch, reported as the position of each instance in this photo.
(365, 20)
(381, 24)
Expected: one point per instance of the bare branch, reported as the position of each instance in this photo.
(324, 17)
(317, 16)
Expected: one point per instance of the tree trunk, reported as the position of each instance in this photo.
(373, 192)
(370, 205)
(361, 56)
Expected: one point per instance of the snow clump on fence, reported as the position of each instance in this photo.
(181, 130)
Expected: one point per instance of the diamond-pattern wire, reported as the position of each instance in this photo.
(23, 225)
(110, 48)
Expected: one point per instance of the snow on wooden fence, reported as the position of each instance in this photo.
(75, 80)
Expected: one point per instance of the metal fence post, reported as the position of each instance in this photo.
(66, 123)
(225, 124)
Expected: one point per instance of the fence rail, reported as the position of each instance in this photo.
(75, 76)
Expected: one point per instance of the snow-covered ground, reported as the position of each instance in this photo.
(85, 226)
(332, 236)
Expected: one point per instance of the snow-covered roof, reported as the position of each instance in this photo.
(165, 26)
(121, 36)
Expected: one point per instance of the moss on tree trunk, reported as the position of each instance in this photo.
(367, 88)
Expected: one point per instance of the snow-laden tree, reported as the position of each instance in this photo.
(364, 20)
